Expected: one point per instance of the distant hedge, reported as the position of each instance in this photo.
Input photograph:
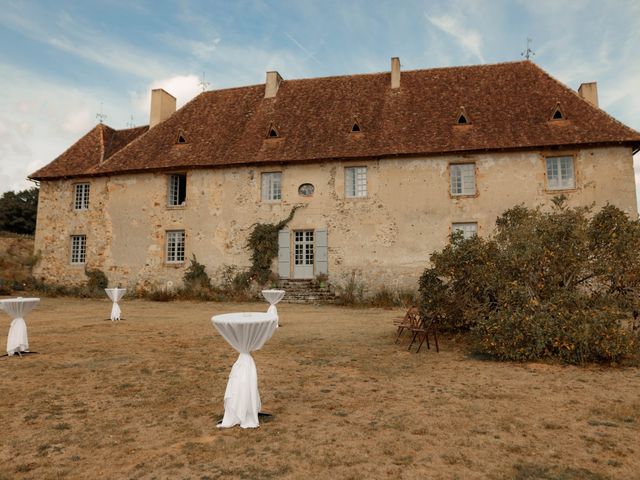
(557, 283)
(18, 211)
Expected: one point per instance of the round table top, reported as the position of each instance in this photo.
(20, 299)
(244, 317)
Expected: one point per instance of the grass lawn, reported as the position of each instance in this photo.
(140, 399)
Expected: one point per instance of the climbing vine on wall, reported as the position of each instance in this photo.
(263, 243)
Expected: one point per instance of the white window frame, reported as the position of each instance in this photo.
(468, 229)
(355, 182)
(173, 190)
(81, 196)
(272, 186)
(462, 179)
(78, 249)
(175, 246)
(560, 172)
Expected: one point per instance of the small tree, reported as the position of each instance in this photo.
(558, 283)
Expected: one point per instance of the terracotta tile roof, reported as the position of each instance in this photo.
(89, 152)
(509, 106)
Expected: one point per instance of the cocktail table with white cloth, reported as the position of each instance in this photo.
(17, 308)
(246, 332)
(115, 294)
(273, 297)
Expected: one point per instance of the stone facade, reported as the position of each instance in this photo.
(385, 238)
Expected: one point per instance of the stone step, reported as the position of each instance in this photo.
(305, 291)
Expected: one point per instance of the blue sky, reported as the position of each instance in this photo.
(62, 61)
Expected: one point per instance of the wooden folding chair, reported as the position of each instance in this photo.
(407, 322)
(423, 327)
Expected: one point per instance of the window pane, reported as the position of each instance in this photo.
(560, 173)
(468, 229)
(81, 200)
(177, 189)
(272, 186)
(175, 246)
(463, 179)
(78, 249)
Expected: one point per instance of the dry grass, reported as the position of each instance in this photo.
(140, 399)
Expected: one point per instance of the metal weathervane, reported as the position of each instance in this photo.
(101, 116)
(528, 53)
(130, 123)
(203, 84)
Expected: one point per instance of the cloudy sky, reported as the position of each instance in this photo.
(63, 62)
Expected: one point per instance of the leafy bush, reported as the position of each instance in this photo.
(97, 280)
(263, 243)
(559, 283)
(195, 276)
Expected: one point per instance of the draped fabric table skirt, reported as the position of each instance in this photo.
(17, 308)
(245, 332)
(273, 297)
(115, 294)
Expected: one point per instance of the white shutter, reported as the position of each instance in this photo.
(284, 254)
(322, 257)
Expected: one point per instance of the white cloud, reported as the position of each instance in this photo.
(468, 38)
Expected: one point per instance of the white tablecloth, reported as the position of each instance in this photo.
(115, 294)
(17, 308)
(246, 332)
(273, 297)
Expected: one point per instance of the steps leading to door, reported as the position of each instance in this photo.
(305, 291)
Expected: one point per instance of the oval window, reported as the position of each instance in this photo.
(306, 190)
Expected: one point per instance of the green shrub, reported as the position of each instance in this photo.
(572, 335)
(97, 281)
(557, 283)
(196, 277)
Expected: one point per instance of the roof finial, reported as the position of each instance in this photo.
(203, 84)
(101, 116)
(528, 53)
(130, 123)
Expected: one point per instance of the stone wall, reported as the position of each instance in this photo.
(385, 238)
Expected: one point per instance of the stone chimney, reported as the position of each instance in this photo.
(163, 105)
(273, 82)
(589, 91)
(395, 72)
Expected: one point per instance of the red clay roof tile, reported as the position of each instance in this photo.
(510, 104)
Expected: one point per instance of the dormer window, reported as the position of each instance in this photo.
(463, 117)
(355, 127)
(273, 133)
(557, 113)
(181, 138)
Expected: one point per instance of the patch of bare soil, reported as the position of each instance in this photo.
(140, 399)
(16, 257)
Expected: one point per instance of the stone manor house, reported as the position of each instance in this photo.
(386, 166)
